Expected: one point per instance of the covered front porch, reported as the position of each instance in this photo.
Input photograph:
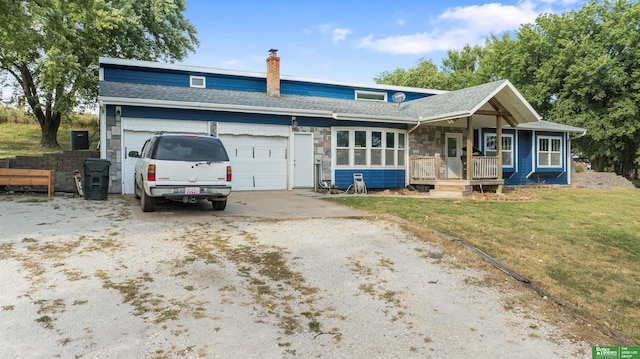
(450, 159)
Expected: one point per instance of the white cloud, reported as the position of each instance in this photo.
(457, 27)
(401, 22)
(491, 17)
(339, 34)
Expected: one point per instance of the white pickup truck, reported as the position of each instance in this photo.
(182, 167)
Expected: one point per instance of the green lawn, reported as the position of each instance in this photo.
(19, 139)
(580, 245)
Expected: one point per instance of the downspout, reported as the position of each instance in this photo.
(416, 126)
(102, 118)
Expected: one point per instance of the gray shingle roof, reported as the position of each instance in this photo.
(466, 102)
(253, 101)
(460, 101)
(551, 126)
(454, 104)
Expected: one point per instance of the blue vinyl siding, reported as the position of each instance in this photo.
(117, 73)
(556, 175)
(179, 78)
(373, 178)
(527, 151)
(335, 91)
(319, 90)
(524, 160)
(146, 76)
(236, 83)
(201, 115)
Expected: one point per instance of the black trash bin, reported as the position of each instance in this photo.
(79, 140)
(96, 178)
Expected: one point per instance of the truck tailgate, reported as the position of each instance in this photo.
(177, 173)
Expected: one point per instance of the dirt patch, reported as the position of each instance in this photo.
(508, 194)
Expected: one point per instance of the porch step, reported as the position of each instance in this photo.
(453, 187)
(451, 191)
(445, 194)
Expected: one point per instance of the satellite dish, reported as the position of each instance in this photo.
(398, 97)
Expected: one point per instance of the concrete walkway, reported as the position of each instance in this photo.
(297, 204)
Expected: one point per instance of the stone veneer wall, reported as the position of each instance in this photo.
(114, 153)
(427, 141)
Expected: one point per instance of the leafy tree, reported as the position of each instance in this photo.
(462, 68)
(50, 48)
(425, 75)
(581, 68)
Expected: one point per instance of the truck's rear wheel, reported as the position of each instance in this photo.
(147, 203)
(219, 205)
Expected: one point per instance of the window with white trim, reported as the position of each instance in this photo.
(198, 81)
(507, 147)
(371, 96)
(342, 148)
(549, 151)
(361, 147)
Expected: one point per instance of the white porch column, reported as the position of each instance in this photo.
(499, 150)
(469, 150)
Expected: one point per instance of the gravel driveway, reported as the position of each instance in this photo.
(100, 279)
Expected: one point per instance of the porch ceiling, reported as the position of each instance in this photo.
(482, 103)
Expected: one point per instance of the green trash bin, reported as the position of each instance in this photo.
(96, 178)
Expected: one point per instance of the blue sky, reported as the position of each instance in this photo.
(347, 40)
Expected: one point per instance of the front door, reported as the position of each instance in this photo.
(302, 160)
(453, 143)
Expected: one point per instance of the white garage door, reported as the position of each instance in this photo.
(258, 162)
(136, 131)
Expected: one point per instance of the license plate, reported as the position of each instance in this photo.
(192, 190)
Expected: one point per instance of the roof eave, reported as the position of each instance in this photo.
(252, 109)
(446, 116)
(373, 118)
(213, 106)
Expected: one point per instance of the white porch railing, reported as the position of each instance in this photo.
(423, 167)
(485, 167)
(428, 167)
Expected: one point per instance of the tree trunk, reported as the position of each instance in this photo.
(598, 163)
(48, 119)
(49, 129)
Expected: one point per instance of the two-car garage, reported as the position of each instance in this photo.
(258, 153)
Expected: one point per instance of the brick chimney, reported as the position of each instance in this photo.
(273, 74)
